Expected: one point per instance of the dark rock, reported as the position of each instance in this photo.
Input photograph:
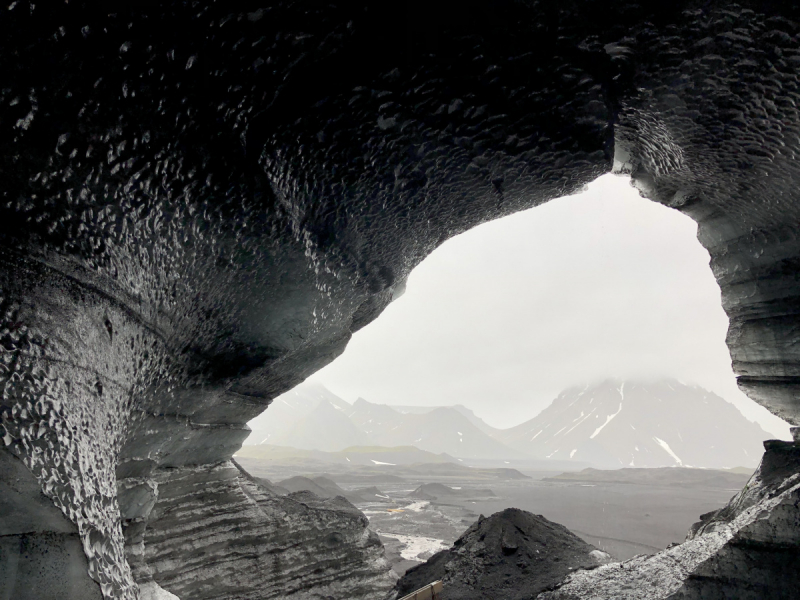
(270, 487)
(511, 555)
(795, 431)
(322, 487)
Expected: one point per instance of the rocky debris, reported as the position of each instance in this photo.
(750, 549)
(215, 533)
(439, 491)
(511, 555)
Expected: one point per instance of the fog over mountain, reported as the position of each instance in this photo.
(442, 429)
(505, 316)
(612, 424)
(288, 409)
(628, 424)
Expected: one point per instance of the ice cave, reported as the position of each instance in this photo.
(202, 201)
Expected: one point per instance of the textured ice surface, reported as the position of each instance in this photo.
(201, 202)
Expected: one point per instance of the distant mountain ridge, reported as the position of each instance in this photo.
(617, 424)
(611, 424)
(312, 418)
(441, 429)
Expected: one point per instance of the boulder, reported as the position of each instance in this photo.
(511, 555)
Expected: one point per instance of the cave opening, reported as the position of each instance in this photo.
(603, 289)
(602, 284)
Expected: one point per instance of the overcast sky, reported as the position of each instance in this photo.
(503, 317)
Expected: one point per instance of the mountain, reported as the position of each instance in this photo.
(325, 428)
(633, 424)
(311, 417)
(351, 456)
(469, 414)
(439, 430)
(289, 408)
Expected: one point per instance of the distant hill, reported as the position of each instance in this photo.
(665, 476)
(322, 487)
(611, 425)
(352, 456)
(628, 424)
(310, 417)
(439, 491)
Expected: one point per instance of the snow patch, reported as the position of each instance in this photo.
(608, 420)
(668, 450)
(581, 421)
(417, 547)
(377, 462)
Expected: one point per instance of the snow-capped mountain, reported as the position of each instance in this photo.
(633, 424)
(611, 425)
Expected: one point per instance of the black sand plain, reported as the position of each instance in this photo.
(625, 512)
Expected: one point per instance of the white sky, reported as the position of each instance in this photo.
(503, 317)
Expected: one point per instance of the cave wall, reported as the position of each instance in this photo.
(202, 201)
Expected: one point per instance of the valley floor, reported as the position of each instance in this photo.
(623, 519)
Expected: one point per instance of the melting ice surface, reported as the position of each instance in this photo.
(417, 547)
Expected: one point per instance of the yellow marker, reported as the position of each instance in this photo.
(429, 592)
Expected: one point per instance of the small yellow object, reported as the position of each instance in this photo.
(429, 592)
(395, 510)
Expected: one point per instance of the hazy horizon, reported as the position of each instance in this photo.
(502, 318)
(644, 381)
